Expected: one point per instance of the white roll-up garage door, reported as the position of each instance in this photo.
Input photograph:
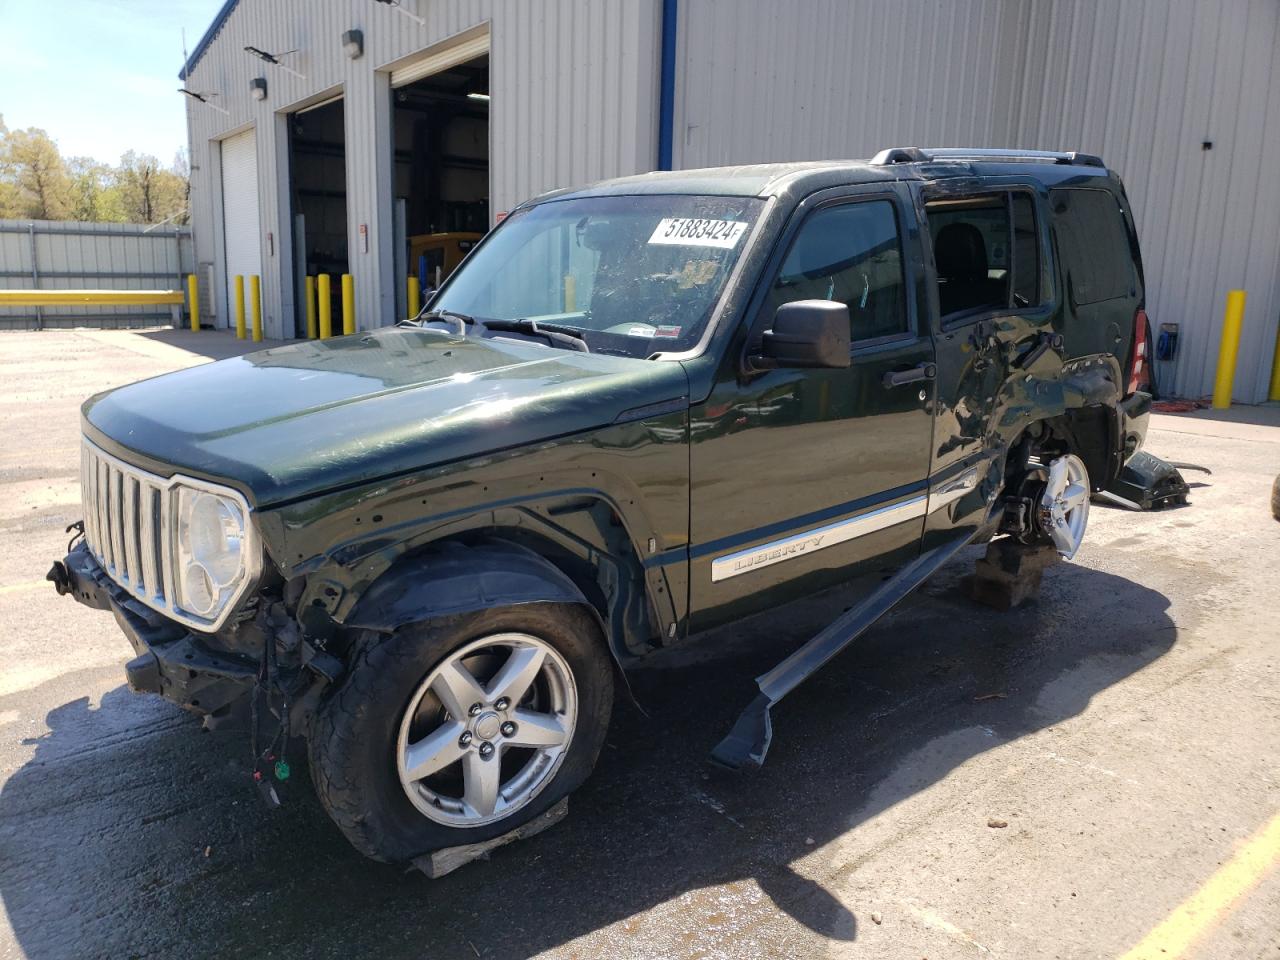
(242, 232)
(466, 46)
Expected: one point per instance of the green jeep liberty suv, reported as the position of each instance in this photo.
(637, 411)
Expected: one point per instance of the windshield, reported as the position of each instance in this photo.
(633, 275)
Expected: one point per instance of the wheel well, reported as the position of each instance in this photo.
(586, 541)
(1088, 432)
(612, 582)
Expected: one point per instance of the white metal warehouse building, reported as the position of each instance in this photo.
(440, 115)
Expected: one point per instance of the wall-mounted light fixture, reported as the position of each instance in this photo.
(483, 97)
(276, 60)
(204, 98)
(258, 87)
(353, 44)
(398, 7)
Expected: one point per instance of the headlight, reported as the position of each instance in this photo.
(210, 555)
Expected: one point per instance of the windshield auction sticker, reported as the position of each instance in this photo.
(697, 232)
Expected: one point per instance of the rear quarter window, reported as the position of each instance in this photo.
(1093, 242)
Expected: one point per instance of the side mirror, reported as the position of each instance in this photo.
(806, 333)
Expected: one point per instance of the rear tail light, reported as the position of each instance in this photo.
(1138, 375)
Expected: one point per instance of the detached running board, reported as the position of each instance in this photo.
(748, 741)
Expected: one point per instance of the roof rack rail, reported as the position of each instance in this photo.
(928, 154)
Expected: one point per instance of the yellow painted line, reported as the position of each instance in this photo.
(1214, 901)
(20, 587)
(44, 298)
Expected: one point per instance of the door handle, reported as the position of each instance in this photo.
(921, 371)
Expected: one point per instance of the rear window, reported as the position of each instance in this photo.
(986, 250)
(1093, 242)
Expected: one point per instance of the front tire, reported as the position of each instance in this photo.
(458, 730)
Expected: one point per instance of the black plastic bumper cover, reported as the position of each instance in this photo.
(170, 661)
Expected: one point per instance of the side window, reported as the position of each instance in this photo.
(850, 253)
(987, 252)
(1026, 251)
(971, 251)
(1093, 242)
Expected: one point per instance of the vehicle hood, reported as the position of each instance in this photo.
(295, 421)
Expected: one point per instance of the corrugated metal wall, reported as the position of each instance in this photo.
(1146, 83)
(574, 99)
(95, 256)
(1142, 82)
(764, 80)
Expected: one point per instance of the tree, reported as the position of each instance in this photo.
(93, 197)
(37, 175)
(8, 189)
(148, 192)
(37, 183)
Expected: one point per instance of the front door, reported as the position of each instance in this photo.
(805, 478)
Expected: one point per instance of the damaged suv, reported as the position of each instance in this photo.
(638, 411)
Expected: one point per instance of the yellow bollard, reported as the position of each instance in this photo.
(255, 304)
(415, 297)
(310, 294)
(193, 298)
(348, 303)
(1274, 392)
(326, 306)
(570, 294)
(239, 286)
(1232, 322)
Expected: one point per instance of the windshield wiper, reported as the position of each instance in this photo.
(463, 319)
(554, 332)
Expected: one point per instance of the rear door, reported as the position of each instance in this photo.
(804, 478)
(996, 299)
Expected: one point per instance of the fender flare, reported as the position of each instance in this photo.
(454, 577)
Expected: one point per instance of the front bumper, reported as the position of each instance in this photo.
(170, 660)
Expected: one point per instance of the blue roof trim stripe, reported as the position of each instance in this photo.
(207, 39)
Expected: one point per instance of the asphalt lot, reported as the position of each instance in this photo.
(1125, 727)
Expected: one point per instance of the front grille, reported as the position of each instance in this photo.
(126, 514)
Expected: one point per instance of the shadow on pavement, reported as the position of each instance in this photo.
(214, 344)
(103, 834)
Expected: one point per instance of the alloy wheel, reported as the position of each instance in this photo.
(486, 730)
(1064, 505)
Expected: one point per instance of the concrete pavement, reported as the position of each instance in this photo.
(1124, 728)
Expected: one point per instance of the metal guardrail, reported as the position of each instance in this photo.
(69, 273)
(173, 299)
(48, 298)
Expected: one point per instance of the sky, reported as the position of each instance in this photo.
(99, 76)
